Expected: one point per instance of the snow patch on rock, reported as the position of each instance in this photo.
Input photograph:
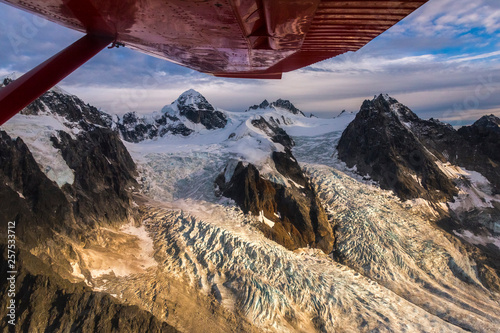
(36, 132)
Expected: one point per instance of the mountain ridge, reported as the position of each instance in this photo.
(282, 104)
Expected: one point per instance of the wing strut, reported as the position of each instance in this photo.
(21, 92)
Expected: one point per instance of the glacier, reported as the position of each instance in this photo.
(394, 270)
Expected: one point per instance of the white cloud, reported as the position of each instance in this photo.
(453, 17)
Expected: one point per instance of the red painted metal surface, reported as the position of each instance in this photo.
(232, 38)
(21, 92)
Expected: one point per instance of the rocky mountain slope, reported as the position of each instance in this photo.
(84, 164)
(45, 301)
(69, 176)
(293, 215)
(427, 159)
(247, 222)
(380, 143)
(187, 113)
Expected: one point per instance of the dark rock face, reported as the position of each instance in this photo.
(101, 191)
(395, 147)
(380, 143)
(191, 105)
(104, 174)
(47, 303)
(103, 170)
(104, 177)
(276, 133)
(134, 128)
(196, 108)
(280, 103)
(263, 105)
(484, 138)
(286, 104)
(474, 147)
(299, 217)
(72, 108)
(28, 197)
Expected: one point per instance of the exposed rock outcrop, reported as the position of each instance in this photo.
(429, 159)
(192, 105)
(298, 218)
(136, 128)
(290, 212)
(276, 133)
(28, 197)
(178, 118)
(104, 174)
(280, 104)
(484, 138)
(380, 143)
(47, 303)
(73, 109)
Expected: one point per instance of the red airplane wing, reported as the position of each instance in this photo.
(235, 38)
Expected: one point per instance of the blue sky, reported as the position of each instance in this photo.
(442, 61)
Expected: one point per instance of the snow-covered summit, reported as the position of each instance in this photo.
(390, 106)
(10, 77)
(193, 97)
(278, 105)
(61, 106)
(194, 108)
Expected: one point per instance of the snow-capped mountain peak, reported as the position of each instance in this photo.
(189, 99)
(191, 96)
(386, 97)
(7, 79)
(489, 121)
(390, 107)
(278, 105)
(189, 113)
(195, 109)
(11, 76)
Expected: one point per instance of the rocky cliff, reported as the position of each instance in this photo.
(380, 143)
(82, 178)
(428, 159)
(46, 302)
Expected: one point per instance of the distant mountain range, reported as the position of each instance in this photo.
(197, 219)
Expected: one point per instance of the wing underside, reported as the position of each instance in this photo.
(231, 38)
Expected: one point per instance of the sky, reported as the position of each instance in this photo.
(442, 61)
